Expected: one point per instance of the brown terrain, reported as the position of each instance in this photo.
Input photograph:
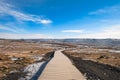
(95, 64)
(15, 55)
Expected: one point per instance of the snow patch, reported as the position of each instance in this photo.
(116, 51)
(31, 70)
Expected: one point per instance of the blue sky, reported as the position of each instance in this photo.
(34, 19)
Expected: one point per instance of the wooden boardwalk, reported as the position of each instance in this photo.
(60, 68)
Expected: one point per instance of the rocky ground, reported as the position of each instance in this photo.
(95, 63)
(15, 55)
(96, 66)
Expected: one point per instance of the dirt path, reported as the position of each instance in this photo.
(60, 68)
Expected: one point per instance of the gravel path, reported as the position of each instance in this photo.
(61, 68)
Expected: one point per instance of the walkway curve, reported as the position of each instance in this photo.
(61, 68)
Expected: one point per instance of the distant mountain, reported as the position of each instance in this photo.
(96, 42)
(92, 42)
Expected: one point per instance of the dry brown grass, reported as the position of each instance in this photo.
(105, 57)
(24, 51)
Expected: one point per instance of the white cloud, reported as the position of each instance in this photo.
(11, 28)
(7, 9)
(72, 31)
(109, 32)
(106, 32)
(114, 10)
(22, 36)
(46, 21)
(7, 29)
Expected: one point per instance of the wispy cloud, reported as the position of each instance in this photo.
(23, 36)
(72, 31)
(12, 28)
(109, 23)
(106, 32)
(112, 31)
(107, 10)
(8, 9)
(7, 28)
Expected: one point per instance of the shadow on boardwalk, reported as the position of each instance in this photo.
(37, 75)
